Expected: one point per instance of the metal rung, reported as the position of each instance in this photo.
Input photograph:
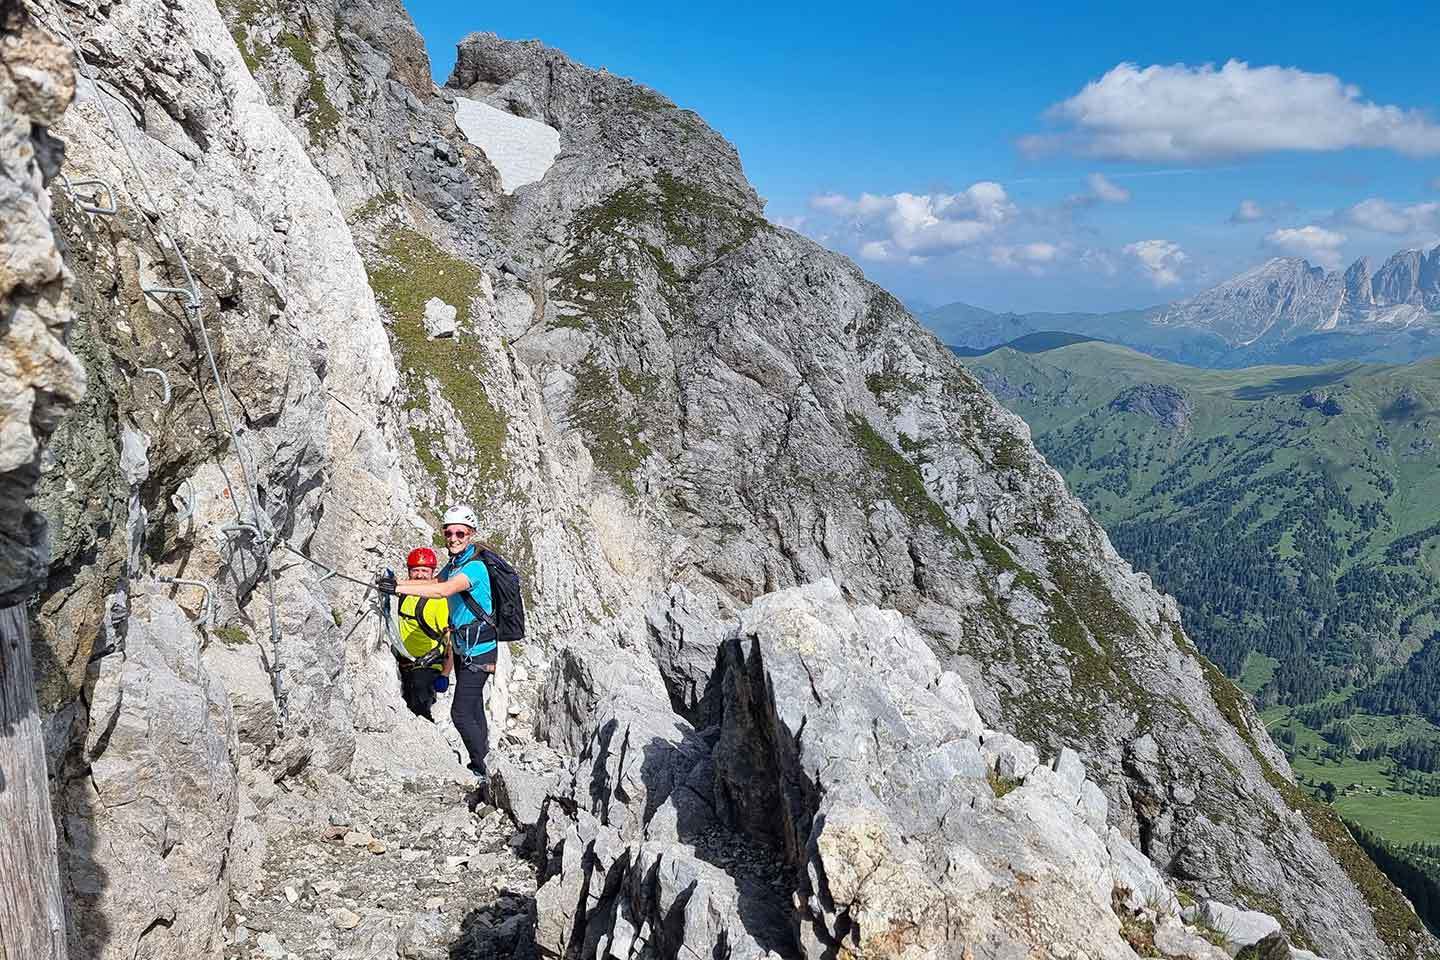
(245, 528)
(207, 616)
(188, 500)
(191, 301)
(164, 381)
(107, 191)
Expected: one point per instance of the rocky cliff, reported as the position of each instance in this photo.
(734, 473)
(1287, 298)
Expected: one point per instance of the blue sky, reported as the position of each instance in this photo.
(1041, 156)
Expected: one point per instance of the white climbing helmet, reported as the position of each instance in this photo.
(461, 514)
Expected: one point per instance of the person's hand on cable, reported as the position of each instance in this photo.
(385, 583)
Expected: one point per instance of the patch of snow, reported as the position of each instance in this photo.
(521, 150)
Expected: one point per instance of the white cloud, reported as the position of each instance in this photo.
(1382, 216)
(1102, 190)
(1031, 256)
(1311, 242)
(922, 225)
(1099, 261)
(1178, 112)
(1248, 212)
(796, 222)
(1159, 260)
(1107, 191)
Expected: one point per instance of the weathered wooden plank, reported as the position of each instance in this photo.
(32, 914)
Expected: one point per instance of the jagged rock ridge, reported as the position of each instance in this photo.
(649, 386)
(1287, 297)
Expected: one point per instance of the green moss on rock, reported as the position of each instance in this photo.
(608, 250)
(1092, 627)
(1010, 453)
(241, 16)
(890, 386)
(899, 479)
(231, 636)
(376, 205)
(614, 441)
(1000, 785)
(322, 120)
(407, 271)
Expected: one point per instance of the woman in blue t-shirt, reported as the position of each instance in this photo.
(465, 583)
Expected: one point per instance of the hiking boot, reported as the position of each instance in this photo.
(480, 794)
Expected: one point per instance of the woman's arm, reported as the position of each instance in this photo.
(434, 589)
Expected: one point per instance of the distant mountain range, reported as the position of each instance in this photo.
(1284, 311)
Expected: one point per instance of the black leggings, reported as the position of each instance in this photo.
(468, 709)
(418, 685)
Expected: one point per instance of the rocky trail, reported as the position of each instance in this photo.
(408, 868)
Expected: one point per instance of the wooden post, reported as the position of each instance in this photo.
(32, 914)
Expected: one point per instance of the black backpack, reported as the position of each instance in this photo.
(505, 596)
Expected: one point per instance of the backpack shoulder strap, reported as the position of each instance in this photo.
(424, 624)
(476, 609)
(470, 602)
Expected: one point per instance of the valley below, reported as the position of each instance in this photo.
(1294, 512)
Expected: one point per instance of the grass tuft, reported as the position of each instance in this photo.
(231, 636)
(899, 480)
(408, 270)
(1000, 785)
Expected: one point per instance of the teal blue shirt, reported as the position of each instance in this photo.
(469, 564)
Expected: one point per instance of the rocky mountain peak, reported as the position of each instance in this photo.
(1359, 289)
(1410, 277)
(1270, 300)
(1287, 297)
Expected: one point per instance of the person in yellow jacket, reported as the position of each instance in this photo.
(424, 628)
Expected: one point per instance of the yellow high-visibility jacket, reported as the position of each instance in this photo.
(417, 639)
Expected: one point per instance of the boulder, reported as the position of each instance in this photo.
(1173, 939)
(439, 319)
(518, 791)
(1241, 928)
(685, 633)
(848, 809)
(147, 835)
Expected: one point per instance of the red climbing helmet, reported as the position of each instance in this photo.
(421, 557)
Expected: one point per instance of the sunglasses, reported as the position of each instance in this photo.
(460, 534)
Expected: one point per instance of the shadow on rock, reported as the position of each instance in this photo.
(505, 929)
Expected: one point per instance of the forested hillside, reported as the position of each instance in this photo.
(1295, 514)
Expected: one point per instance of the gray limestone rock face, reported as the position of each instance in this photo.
(864, 800)
(1160, 402)
(685, 635)
(39, 376)
(146, 833)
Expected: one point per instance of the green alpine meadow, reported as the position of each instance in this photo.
(1294, 512)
